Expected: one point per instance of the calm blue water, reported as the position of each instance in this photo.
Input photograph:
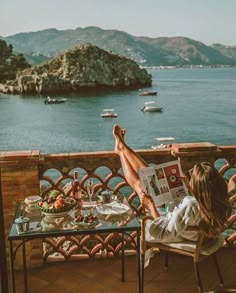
(199, 105)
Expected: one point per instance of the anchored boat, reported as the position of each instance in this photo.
(108, 113)
(147, 93)
(54, 101)
(151, 107)
(163, 142)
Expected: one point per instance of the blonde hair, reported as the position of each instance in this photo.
(210, 190)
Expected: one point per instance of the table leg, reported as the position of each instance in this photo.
(123, 259)
(24, 267)
(12, 269)
(138, 256)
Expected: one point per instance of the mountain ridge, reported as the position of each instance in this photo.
(146, 51)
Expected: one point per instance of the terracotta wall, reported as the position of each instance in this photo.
(19, 177)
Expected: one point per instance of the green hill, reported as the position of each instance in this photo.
(175, 51)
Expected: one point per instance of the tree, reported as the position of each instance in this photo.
(10, 63)
(5, 52)
(19, 62)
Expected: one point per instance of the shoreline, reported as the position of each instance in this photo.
(187, 67)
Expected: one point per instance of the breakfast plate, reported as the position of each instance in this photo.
(113, 208)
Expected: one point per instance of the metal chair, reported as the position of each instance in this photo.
(199, 251)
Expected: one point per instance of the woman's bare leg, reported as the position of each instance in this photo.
(131, 162)
(121, 147)
(131, 175)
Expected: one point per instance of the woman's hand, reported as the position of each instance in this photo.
(186, 181)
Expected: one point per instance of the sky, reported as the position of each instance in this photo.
(207, 21)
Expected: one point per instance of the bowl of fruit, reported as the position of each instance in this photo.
(56, 204)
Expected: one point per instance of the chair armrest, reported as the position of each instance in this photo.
(143, 225)
(229, 223)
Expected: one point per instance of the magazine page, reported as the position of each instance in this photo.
(163, 182)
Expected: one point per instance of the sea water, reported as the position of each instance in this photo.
(198, 105)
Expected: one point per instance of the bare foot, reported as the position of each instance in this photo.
(118, 133)
(122, 132)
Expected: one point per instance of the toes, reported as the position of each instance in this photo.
(116, 129)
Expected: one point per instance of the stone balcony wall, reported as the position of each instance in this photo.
(22, 173)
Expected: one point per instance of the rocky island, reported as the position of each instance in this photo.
(83, 67)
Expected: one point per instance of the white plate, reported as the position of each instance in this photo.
(32, 199)
(87, 204)
(113, 208)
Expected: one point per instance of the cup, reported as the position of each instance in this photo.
(22, 224)
(107, 196)
(119, 197)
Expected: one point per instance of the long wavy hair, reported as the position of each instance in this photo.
(210, 190)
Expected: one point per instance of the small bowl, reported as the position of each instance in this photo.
(107, 196)
(32, 200)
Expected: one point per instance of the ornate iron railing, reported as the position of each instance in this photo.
(106, 172)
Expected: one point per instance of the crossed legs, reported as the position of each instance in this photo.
(131, 162)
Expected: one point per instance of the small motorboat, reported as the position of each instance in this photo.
(163, 142)
(151, 107)
(54, 101)
(108, 113)
(147, 93)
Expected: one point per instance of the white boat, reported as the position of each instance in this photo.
(163, 142)
(108, 113)
(151, 107)
(147, 93)
(54, 101)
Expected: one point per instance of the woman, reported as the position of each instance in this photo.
(207, 207)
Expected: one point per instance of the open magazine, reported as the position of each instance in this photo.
(163, 182)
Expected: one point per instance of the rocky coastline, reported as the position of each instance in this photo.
(83, 67)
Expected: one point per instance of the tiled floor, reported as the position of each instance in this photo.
(104, 276)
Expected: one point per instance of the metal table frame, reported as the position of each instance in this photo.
(24, 237)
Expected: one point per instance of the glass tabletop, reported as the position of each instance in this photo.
(109, 217)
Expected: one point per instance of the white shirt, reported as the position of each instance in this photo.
(172, 226)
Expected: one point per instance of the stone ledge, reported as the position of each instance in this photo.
(8, 155)
(193, 147)
(19, 157)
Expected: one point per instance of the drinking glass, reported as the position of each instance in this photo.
(90, 191)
